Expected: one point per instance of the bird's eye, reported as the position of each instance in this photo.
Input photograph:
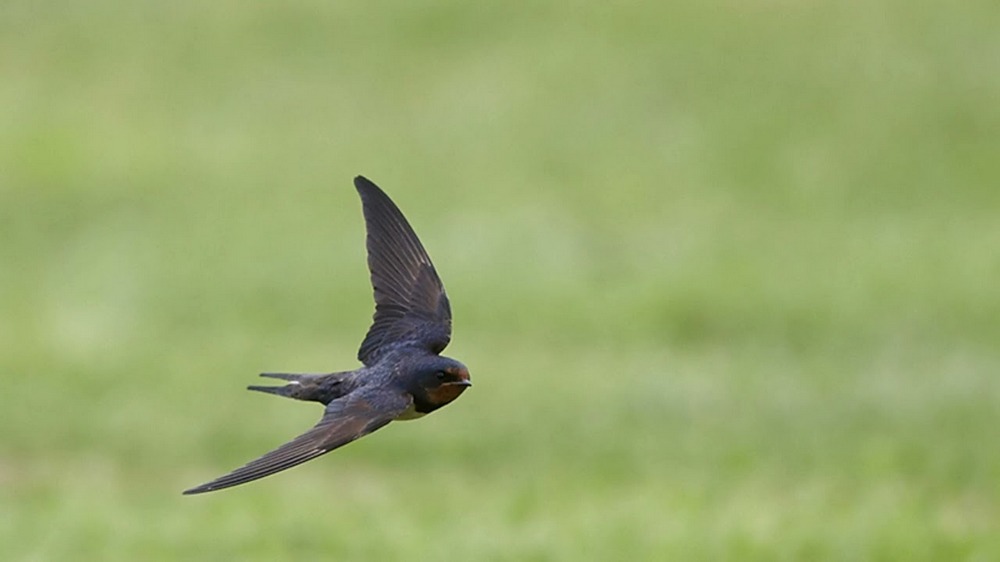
(440, 375)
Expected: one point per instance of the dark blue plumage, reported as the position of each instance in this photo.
(403, 376)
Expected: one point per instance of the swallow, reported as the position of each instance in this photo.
(403, 376)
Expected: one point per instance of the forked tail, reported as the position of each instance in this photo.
(313, 388)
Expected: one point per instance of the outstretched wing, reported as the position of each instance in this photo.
(410, 303)
(345, 420)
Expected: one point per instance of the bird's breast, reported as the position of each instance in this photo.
(410, 413)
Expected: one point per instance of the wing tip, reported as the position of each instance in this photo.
(220, 483)
(363, 183)
(197, 490)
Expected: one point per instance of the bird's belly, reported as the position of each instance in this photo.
(410, 413)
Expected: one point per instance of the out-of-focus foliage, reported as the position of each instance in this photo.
(725, 275)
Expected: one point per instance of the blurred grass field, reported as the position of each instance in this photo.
(725, 275)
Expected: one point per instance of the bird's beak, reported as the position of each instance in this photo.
(463, 378)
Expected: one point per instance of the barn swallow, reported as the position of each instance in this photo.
(403, 374)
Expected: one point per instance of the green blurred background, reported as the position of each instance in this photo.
(724, 273)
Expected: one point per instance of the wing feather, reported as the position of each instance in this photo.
(410, 301)
(345, 420)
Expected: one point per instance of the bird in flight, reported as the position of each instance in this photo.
(403, 376)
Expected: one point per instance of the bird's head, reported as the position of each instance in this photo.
(438, 381)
